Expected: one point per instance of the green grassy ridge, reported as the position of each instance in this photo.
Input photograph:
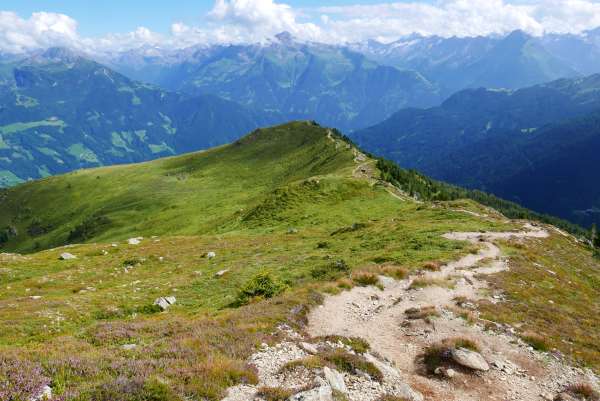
(190, 194)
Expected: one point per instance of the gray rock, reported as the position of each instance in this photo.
(134, 241)
(128, 347)
(165, 302)
(211, 255)
(470, 359)
(221, 273)
(310, 348)
(321, 393)
(335, 380)
(45, 394)
(67, 256)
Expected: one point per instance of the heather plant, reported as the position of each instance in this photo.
(20, 380)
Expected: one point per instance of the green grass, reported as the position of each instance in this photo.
(553, 287)
(238, 201)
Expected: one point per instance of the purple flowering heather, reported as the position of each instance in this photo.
(20, 380)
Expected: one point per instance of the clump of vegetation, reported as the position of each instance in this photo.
(365, 279)
(37, 228)
(434, 266)
(357, 344)
(397, 272)
(581, 391)
(311, 362)
(8, 233)
(20, 380)
(424, 312)
(349, 229)
(323, 245)
(595, 241)
(390, 397)
(537, 341)
(132, 262)
(262, 285)
(274, 393)
(422, 282)
(330, 271)
(134, 389)
(351, 363)
(89, 228)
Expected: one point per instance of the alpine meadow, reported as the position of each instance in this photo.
(300, 200)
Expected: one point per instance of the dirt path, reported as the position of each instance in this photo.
(517, 373)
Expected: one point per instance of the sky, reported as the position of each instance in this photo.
(113, 25)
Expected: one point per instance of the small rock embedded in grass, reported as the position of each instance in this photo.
(221, 273)
(135, 241)
(165, 302)
(67, 256)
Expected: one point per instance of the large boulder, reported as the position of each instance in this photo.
(470, 359)
(67, 256)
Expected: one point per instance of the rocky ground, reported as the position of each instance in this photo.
(441, 306)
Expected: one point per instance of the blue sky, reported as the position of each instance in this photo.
(98, 17)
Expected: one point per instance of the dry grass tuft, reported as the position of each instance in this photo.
(365, 279)
(434, 266)
(274, 393)
(421, 313)
(537, 341)
(422, 282)
(581, 391)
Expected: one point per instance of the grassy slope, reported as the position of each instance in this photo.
(553, 290)
(239, 201)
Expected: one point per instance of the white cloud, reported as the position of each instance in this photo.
(255, 20)
(40, 30)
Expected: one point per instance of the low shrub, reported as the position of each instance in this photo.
(331, 271)
(20, 380)
(350, 363)
(262, 285)
(134, 389)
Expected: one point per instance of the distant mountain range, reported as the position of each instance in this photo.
(60, 112)
(513, 61)
(281, 72)
(332, 84)
(538, 146)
